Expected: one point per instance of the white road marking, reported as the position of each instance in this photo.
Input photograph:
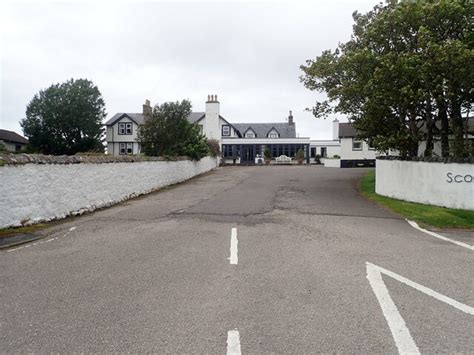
(234, 259)
(41, 241)
(436, 235)
(233, 342)
(400, 332)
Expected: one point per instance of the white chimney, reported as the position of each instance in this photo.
(335, 130)
(212, 128)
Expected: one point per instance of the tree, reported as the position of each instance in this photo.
(167, 132)
(405, 76)
(66, 119)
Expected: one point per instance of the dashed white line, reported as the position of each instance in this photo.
(42, 241)
(233, 342)
(234, 259)
(436, 235)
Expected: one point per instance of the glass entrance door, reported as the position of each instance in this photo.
(247, 155)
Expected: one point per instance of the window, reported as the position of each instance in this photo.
(227, 150)
(356, 144)
(272, 134)
(125, 128)
(17, 147)
(122, 150)
(125, 148)
(313, 152)
(201, 129)
(250, 134)
(324, 152)
(226, 130)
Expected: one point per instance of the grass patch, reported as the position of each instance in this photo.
(426, 215)
(7, 232)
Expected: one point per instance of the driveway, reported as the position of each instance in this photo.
(286, 259)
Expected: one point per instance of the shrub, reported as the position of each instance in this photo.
(335, 156)
(317, 158)
(3, 148)
(267, 153)
(300, 154)
(214, 147)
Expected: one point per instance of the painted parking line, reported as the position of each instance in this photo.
(436, 235)
(41, 241)
(396, 323)
(234, 259)
(233, 342)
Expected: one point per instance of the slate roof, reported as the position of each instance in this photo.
(136, 117)
(11, 136)
(139, 118)
(261, 129)
(347, 130)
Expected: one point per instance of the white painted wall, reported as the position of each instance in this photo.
(332, 163)
(348, 154)
(428, 183)
(11, 147)
(36, 193)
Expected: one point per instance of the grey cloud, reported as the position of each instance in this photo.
(247, 53)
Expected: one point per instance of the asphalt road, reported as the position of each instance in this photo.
(154, 275)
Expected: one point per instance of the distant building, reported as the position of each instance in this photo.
(12, 141)
(241, 143)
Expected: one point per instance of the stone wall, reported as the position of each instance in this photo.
(446, 184)
(37, 188)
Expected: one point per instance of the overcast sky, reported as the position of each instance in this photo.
(248, 53)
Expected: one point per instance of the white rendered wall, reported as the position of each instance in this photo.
(348, 154)
(448, 185)
(41, 192)
(332, 163)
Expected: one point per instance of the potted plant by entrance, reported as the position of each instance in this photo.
(267, 155)
(300, 156)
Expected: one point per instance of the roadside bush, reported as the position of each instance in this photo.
(2, 147)
(214, 147)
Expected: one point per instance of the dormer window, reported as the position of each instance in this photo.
(273, 134)
(250, 133)
(125, 128)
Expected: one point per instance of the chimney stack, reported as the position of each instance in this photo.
(290, 119)
(335, 130)
(147, 110)
(212, 126)
(212, 98)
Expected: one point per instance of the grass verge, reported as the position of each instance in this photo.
(8, 232)
(426, 215)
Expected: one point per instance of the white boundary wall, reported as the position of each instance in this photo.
(34, 193)
(332, 163)
(441, 184)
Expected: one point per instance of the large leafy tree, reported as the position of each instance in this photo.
(66, 118)
(167, 132)
(406, 75)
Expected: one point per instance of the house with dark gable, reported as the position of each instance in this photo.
(241, 143)
(12, 141)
